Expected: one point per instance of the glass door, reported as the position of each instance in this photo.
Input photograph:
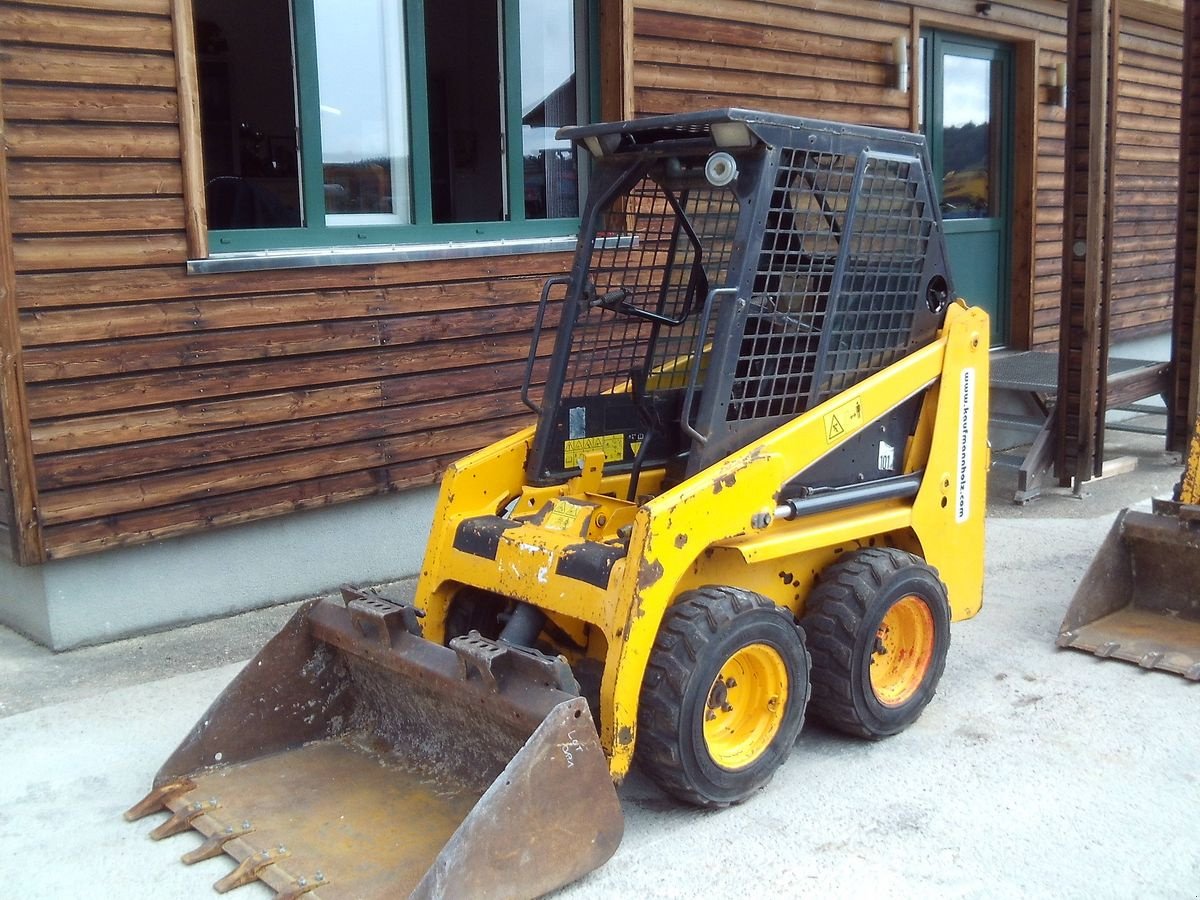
(966, 114)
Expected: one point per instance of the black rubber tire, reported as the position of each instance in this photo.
(842, 618)
(473, 609)
(699, 634)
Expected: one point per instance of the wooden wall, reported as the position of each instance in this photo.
(161, 403)
(833, 59)
(1146, 176)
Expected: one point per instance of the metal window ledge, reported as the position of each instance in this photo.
(258, 260)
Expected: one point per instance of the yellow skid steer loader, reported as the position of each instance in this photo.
(1139, 601)
(756, 476)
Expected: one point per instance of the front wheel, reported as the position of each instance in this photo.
(724, 695)
(878, 626)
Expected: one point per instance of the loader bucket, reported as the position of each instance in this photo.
(1138, 600)
(354, 759)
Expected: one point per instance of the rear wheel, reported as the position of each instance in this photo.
(724, 695)
(878, 626)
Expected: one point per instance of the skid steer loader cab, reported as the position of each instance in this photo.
(755, 480)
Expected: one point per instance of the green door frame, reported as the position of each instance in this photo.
(936, 44)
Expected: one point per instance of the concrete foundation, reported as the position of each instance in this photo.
(135, 590)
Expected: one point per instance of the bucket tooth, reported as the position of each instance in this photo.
(249, 868)
(182, 820)
(1107, 649)
(158, 798)
(1193, 672)
(302, 886)
(1150, 660)
(1066, 639)
(215, 845)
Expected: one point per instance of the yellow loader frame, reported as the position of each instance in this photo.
(725, 524)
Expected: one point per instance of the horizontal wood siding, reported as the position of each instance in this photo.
(1146, 176)
(832, 59)
(162, 403)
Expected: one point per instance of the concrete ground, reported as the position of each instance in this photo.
(1035, 772)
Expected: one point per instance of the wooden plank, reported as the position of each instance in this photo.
(871, 67)
(438, 277)
(60, 216)
(1168, 13)
(58, 103)
(79, 141)
(671, 101)
(78, 28)
(21, 492)
(76, 504)
(53, 65)
(238, 414)
(125, 178)
(187, 518)
(147, 7)
(45, 254)
(616, 60)
(102, 323)
(97, 395)
(178, 455)
(183, 351)
(190, 149)
(843, 43)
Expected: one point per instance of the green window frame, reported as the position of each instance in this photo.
(317, 234)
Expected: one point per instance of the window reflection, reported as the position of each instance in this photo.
(364, 111)
(248, 114)
(968, 157)
(549, 100)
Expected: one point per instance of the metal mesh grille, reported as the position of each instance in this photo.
(877, 300)
(659, 261)
(790, 300)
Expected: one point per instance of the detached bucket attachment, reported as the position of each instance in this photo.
(1140, 599)
(354, 759)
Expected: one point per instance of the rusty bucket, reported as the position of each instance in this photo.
(352, 758)
(1140, 599)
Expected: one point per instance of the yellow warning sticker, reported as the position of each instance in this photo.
(845, 419)
(561, 517)
(613, 446)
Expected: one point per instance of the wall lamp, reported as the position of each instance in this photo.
(1058, 85)
(900, 61)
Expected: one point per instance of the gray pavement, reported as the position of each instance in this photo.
(1034, 773)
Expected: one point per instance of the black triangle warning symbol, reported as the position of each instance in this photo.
(835, 428)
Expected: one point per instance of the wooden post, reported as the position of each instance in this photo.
(191, 152)
(1185, 344)
(1087, 230)
(26, 530)
(616, 60)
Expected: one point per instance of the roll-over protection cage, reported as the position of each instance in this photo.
(734, 269)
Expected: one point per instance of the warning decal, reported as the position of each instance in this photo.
(845, 419)
(613, 446)
(562, 516)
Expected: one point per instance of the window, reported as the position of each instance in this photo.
(358, 122)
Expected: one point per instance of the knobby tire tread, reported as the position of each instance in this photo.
(702, 616)
(836, 609)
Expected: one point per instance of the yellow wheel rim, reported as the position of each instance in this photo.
(745, 706)
(903, 651)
